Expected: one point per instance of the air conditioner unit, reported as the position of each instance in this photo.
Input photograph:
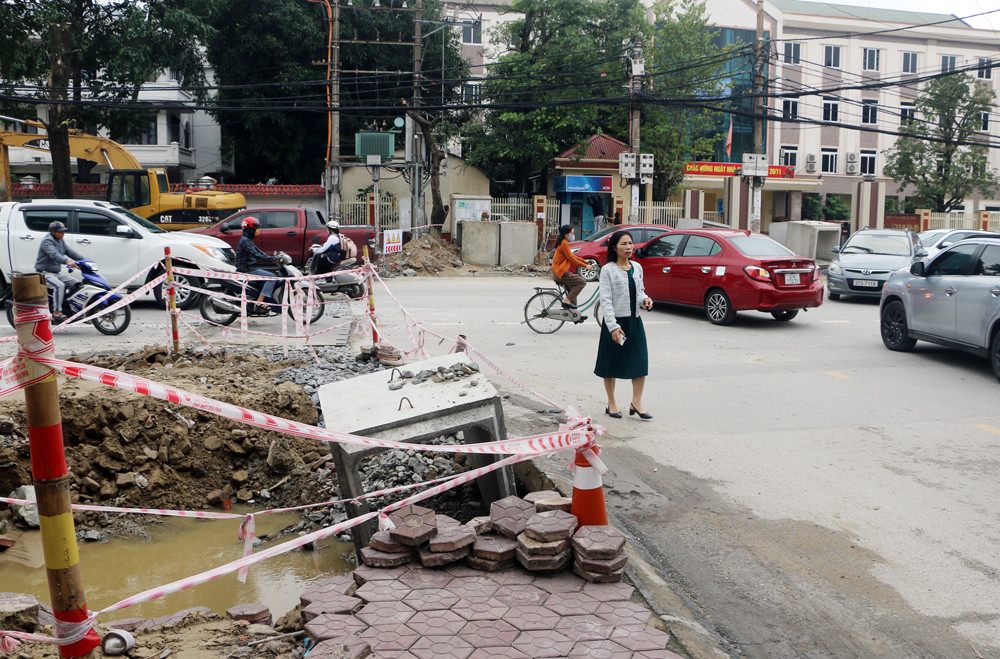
(811, 166)
(811, 157)
(852, 167)
(852, 157)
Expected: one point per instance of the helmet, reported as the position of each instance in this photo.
(333, 224)
(57, 226)
(250, 222)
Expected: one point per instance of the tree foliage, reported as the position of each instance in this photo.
(549, 91)
(941, 152)
(683, 62)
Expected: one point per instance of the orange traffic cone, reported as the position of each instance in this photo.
(588, 493)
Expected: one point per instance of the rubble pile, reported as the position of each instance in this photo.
(425, 255)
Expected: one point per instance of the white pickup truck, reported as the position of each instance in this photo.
(119, 241)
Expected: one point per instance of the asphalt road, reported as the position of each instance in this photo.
(802, 490)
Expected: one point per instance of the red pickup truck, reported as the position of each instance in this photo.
(289, 230)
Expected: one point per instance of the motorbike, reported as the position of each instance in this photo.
(350, 284)
(222, 311)
(93, 287)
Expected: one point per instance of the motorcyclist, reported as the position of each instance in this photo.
(331, 252)
(249, 256)
(53, 253)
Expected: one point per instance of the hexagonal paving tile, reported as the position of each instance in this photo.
(363, 574)
(381, 613)
(436, 623)
(480, 524)
(488, 633)
(499, 653)
(486, 565)
(513, 578)
(530, 618)
(383, 591)
(564, 504)
(346, 647)
(610, 592)
(598, 577)
(332, 625)
(641, 640)
(248, 612)
(605, 565)
(535, 548)
(572, 604)
(564, 582)
(656, 654)
(381, 541)
(533, 497)
(330, 603)
(480, 608)
(414, 524)
(544, 563)
(585, 628)
(551, 526)
(453, 538)
(494, 547)
(477, 586)
(430, 558)
(375, 558)
(523, 594)
(421, 578)
(338, 585)
(510, 515)
(441, 647)
(599, 650)
(461, 571)
(598, 542)
(543, 643)
(385, 639)
(431, 599)
(445, 522)
(623, 613)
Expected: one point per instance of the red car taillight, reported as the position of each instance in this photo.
(758, 273)
(816, 273)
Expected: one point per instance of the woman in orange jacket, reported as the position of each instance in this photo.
(564, 263)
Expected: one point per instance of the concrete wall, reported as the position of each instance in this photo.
(518, 243)
(480, 242)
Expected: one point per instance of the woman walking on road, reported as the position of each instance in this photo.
(621, 352)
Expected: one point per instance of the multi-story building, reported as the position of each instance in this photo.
(862, 67)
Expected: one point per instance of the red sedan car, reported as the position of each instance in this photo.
(594, 248)
(725, 271)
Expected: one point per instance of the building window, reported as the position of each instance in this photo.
(984, 122)
(789, 109)
(869, 112)
(831, 57)
(985, 70)
(828, 165)
(472, 92)
(793, 53)
(789, 156)
(867, 162)
(148, 133)
(872, 59)
(947, 63)
(909, 62)
(831, 109)
(472, 35)
(907, 112)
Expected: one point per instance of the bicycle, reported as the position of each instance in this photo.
(543, 312)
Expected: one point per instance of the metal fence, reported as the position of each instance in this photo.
(363, 212)
(660, 212)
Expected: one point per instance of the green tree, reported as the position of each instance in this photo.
(84, 60)
(835, 210)
(682, 62)
(812, 206)
(942, 153)
(554, 86)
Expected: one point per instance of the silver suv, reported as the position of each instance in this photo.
(952, 299)
(867, 259)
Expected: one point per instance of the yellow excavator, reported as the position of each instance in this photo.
(144, 191)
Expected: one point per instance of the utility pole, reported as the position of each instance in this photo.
(760, 58)
(635, 112)
(334, 171)
(412, 134)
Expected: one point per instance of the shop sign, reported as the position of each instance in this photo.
(732, 169)
(583, 184)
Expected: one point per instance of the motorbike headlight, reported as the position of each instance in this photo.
(213, 251)
(834, 269)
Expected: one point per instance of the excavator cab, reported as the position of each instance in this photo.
(129, 188)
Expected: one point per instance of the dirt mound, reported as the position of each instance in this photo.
(425, 255)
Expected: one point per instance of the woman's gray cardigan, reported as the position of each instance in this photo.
(614, 293)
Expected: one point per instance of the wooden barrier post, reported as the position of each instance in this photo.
(49, 473)
(371, 303)
(172, 296)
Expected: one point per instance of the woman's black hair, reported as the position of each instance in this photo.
(613, 241)
(564, 231)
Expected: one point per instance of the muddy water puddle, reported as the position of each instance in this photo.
(184, 547)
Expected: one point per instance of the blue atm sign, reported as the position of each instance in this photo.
(583, 184)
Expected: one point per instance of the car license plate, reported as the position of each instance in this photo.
(792, 278)
(866, 283)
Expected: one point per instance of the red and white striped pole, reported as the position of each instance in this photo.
(371, 303)
(588, 492)
(48, 464)
(169, 287)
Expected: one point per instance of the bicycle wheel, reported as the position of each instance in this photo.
(536, 312)
(597, 312)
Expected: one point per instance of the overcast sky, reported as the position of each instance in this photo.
(960, 8)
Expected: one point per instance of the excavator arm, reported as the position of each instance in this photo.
(81, 145)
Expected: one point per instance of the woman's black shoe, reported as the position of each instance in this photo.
(642, 415)
(568, 305)
(613, 415)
